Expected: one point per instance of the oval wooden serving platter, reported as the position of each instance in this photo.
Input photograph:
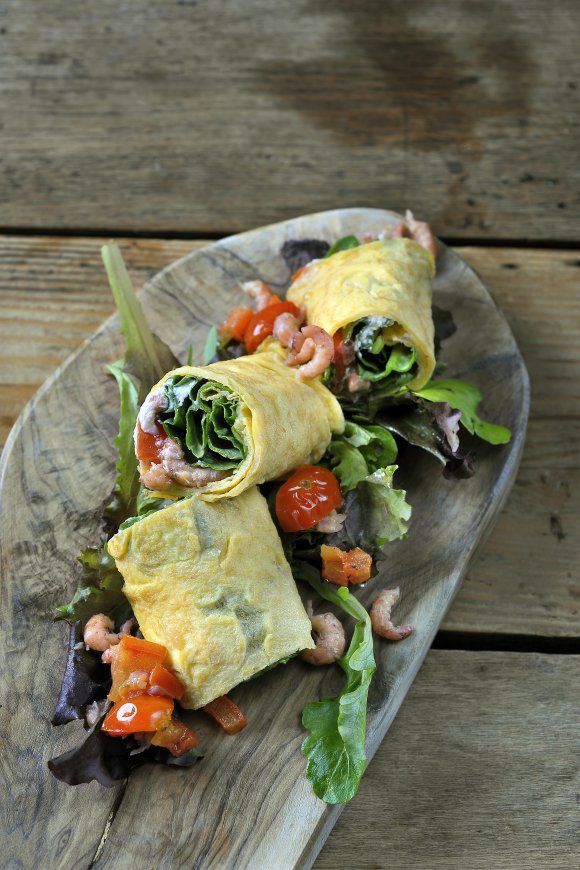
(247, 803)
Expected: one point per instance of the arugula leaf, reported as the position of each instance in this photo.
(376, 514)
(343, 244)
(359, 451)
(335, 746)
(465, 397)
(147, 358)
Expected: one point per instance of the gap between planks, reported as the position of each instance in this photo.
(168, 234)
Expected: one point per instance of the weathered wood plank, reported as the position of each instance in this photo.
(214, 116)
(55, 472)
(53, 293)
(468, 776)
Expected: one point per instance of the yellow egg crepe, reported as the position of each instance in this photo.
(245, 420)
(209, 581)
(384, 279)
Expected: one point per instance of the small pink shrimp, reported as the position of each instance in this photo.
(332, 523)
(261, 293)
(286, 327)
(187, 475)
(99, 634)
(422, 233)
(312, 352)
(381, 616)
(419, 231)
(330, 640)
(153, 476)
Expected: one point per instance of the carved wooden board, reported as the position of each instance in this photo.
(247, 803)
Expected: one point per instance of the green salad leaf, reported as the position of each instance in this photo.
(146, 358)
(465, 397)
(147, 504)
(203, 417)
(343, 244)
(99, 590)
(392, 364)
(212, 344)
(124, 499)
(359, 451)
(335, 746)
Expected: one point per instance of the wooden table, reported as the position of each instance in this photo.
(169, 122)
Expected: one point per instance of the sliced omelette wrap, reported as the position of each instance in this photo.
(227, 426)
(378, 297)
(209, 581)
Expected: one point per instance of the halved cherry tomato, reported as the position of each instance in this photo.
(176, 737)
(148, 446)
(236, 322)
(139, 713)
(262, 323)
(163, 682)
(227, 714)
(309, 495)
(345, 566)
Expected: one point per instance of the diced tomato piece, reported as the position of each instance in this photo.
(227, 714)
(261, 324)
(139, 713)
(147, 647)
(345, 566)
(309, 495)
(176, 737)
(148, 446)
(235, 323)
(163, 682)
(132, 662)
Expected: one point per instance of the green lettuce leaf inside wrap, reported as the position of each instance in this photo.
(393, 365)
(202, 416)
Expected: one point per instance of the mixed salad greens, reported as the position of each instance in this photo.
(201, 416)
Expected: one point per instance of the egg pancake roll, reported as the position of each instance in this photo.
(209, 581)
(227, 426)
(379, 296)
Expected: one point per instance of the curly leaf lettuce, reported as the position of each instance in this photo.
(360, 451)
(465, 397)
(203, 417)
(335, 746)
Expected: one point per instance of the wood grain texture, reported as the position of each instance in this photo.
(53, 291)
(475, 772)
(50, 501)
(215, 116)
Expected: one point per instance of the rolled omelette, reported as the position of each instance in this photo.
(379, 295)
(235, 423)
(209, 581)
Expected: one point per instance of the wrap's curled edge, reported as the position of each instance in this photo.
(390, 278)
(209, 581)
(285, 422)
